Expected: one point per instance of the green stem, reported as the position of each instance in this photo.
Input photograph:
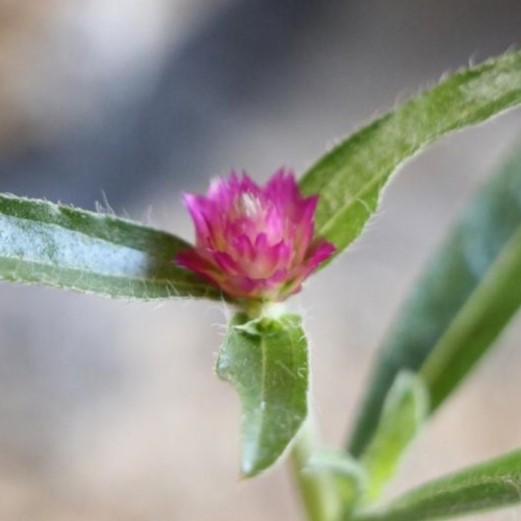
(317, 488)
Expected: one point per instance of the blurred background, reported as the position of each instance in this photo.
(111, 411)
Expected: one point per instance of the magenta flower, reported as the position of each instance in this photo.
(252, 242)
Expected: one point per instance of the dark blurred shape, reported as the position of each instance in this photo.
(221, 69)
(229, 66)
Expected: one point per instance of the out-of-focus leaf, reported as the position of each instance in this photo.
(350, 477)
(320, 488)
(266, 360)
(44, 243)
(350, 178)
(403, 414)
(466, 297)
(492, 485)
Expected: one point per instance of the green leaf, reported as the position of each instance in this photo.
(488, 486)
(350, 178)
(266, 360)
(466, 297)
(474, 330)
(403, 414)
(59, 246)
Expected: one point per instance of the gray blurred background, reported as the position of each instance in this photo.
(111, 411)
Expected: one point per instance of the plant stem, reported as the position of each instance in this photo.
(317, 488)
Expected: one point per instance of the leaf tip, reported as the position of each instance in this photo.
(253, 467)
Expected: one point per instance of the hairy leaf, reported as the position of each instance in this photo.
(64, 247)
(488, 486)
(266, 360)
(466, 297)
(350, 178)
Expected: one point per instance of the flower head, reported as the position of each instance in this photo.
(255, 242)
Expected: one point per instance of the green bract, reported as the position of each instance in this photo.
(266, 360)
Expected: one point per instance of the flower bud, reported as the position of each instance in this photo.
(255, 242)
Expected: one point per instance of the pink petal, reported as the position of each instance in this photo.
(274, 225)
(242, 226)
(249, 186)
(226, 263)
(283, 188)
(243, 287)
(277, 278)
(223, 191)
(322, 252)
(268, 258)
(207, 220)
(307, 208)
(191, 260)
(244, 248)
(281, 254)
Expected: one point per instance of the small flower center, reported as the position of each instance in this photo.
(249, 205)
